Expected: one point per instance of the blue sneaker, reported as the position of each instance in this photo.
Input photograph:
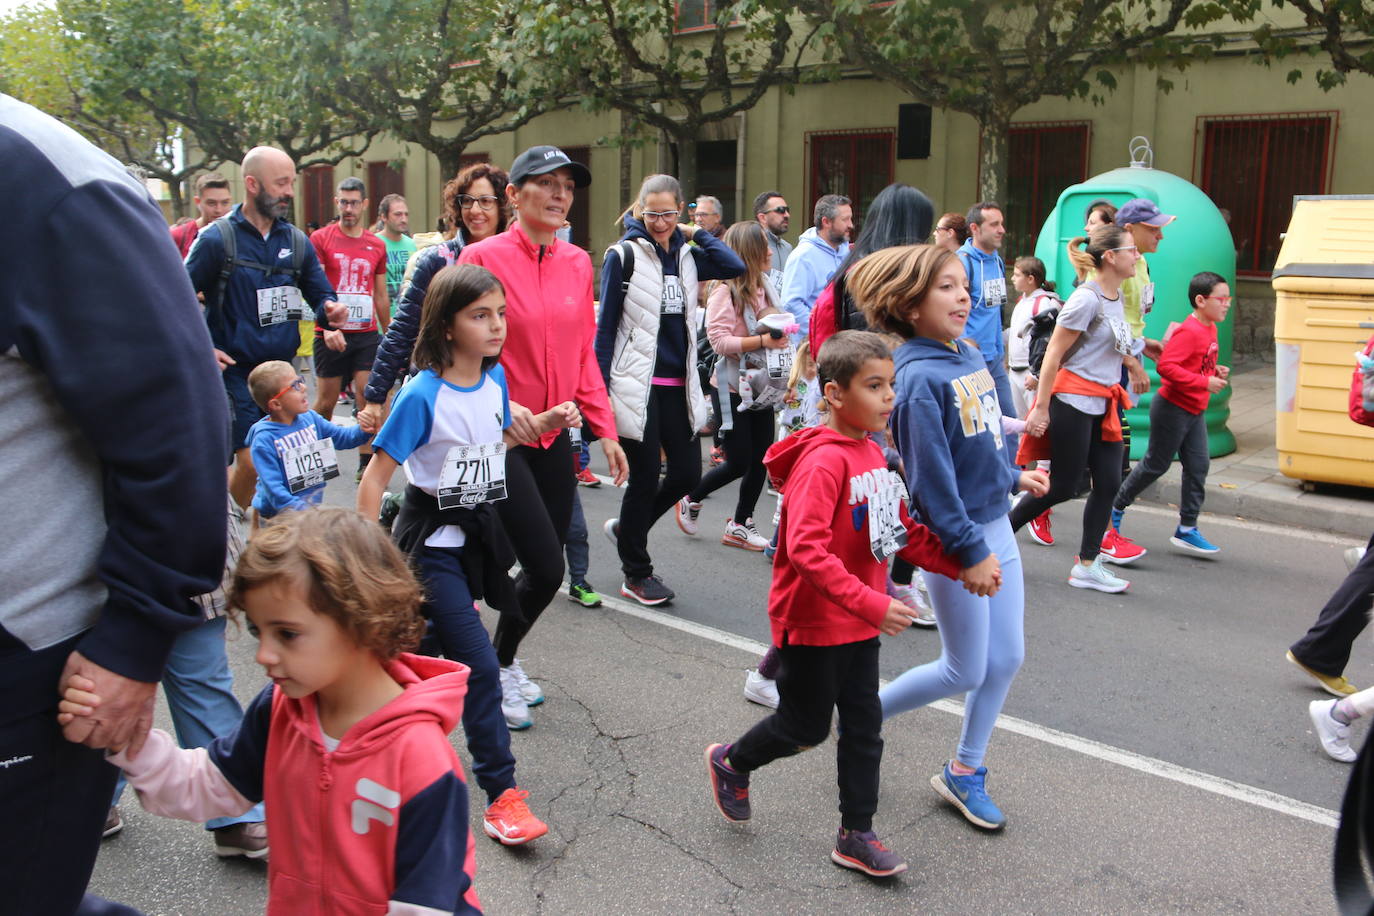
(1193, 541)
(968, 795)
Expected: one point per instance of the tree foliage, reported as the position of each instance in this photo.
(1343, 29)
(436, 73)
(990, 58)
(628, 55)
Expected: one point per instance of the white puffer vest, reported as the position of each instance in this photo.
(636, 340)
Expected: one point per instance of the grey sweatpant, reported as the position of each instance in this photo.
(1172, 429)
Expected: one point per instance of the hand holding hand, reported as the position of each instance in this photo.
(523, 425)
(983, 578)
(1037, 421)
(1155, 349)
(370, 418)
(1035, 482)
(123, 714)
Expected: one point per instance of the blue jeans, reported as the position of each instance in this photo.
(982, 646)
(200, 695)
(448, 604)
(579, 553)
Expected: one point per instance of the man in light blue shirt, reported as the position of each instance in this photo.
(818, 254)
(987, 287)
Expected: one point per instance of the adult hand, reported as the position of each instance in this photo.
(125, 713)
(370, 418)
(335, 341)
(1037, 421)
(1035, 482)
(224, 359)
(615, 460)
(523, 425)
(1140, 382)
(1153, 348)
(336, 313)
(897, 618)
(774, 343)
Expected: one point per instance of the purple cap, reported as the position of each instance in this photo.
(1144, 211)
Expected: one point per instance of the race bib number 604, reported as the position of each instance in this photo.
(472, 475)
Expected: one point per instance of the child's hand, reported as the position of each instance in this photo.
(1035, 482)
(1215, 383)
(1032, 382)
(370, 418)
(1224, 372)
(77, 699)
(983, 578)
(1037, 421)
(897, 618)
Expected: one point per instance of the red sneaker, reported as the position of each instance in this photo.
(717, 455)
(509, 820)
(1040, 529)
(1119, 549)
(586, 478)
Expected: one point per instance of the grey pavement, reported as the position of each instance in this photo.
(1247, 483)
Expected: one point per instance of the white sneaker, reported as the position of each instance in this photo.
(761, 690)
(744, 536)
(918, 581)
(532, 692)
(687, 513)
(908, 595)
(612, 530)
(1334, 736)
(1096, 577)
(1353, 556)
(513, 705)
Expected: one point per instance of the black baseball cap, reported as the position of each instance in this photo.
(540, 160)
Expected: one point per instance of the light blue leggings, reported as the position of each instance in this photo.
(983, 646)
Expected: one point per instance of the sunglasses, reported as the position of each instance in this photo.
(781, 210)
(297, 385)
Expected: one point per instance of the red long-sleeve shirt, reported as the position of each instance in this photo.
(1188, 361)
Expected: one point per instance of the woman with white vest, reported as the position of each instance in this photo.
(646, 346)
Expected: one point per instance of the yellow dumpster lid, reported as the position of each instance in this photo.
(1329, 236)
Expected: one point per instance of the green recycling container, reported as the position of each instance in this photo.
(1197, 240)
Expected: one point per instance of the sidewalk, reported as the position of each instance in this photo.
(1247, 482)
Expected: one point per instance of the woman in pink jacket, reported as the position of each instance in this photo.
(548, 359)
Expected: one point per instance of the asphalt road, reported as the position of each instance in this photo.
(1140, 724)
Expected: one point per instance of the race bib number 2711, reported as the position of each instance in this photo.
(473, 474)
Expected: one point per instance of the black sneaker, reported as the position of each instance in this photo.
(649, 591)
(862, 851)
(729, 787)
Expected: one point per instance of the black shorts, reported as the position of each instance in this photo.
(357, 355)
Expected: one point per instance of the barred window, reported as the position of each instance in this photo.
(319, 195)
(1252, 167)
(1044, 158)
(857, 165)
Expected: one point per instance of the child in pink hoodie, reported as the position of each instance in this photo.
(348, 746)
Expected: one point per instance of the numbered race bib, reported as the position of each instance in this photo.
(995, 293)
(775, 277)
(1147, 299)
(886, 533)
(1122, 332)
(472, 475)
(359, 310)
(778, 362)
(310, 465)
(575, 437)
(278, 304)
(672, 297)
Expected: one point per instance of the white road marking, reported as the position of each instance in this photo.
(1196, 779)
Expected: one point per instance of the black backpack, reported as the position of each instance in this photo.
(1041, 330)
(229, 238)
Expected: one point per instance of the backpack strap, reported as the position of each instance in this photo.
(627, 265)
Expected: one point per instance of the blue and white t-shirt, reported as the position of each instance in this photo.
(431, 416)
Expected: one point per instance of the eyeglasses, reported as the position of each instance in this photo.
(661, 214)
(706, 213)
(347, 204)
(1124, 248)
(781, 210)
(297, 385)
(485, 202)
(944, 228)
(1222, 299)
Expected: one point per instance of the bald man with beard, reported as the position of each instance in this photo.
(255, 317)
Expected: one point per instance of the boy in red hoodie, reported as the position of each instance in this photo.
(843, 515)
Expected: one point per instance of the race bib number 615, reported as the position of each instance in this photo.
(278, 304)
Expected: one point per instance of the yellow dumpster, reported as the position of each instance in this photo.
(1324, 313)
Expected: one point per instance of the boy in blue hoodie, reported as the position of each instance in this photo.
(948, 427)
(292, 447)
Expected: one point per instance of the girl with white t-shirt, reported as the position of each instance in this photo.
(449, 429)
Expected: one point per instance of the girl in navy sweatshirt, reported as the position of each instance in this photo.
(948, 427)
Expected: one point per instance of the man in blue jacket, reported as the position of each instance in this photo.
(819, 252)
(112, 438)
(254, 313)
(987, 287)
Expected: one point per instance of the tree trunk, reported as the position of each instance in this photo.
(175, 192)
(993, 165)
(450, 158)
(687, 163)
(626, 158)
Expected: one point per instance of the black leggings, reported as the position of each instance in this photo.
(1075, 443)
(535, 513)
(744, 445)
(667, 425)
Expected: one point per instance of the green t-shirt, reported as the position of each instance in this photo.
(397, 254)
